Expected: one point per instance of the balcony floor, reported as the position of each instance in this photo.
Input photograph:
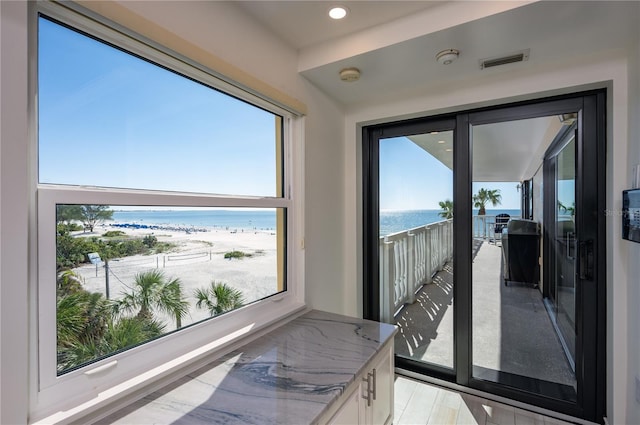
(512, 331)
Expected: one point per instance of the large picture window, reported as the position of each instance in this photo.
(163, 206)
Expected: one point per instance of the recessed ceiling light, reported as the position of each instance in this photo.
(338, 12)
(448, 150)
(442, 142)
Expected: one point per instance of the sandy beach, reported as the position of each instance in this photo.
(197, 260)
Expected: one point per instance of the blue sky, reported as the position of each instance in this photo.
(109, 119)
(412, 179)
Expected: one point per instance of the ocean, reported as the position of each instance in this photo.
(396, 221)
(260, 220)
(390, 221)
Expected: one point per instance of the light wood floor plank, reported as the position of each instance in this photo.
(418, 403)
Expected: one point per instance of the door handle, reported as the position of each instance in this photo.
(570, 239)
(586, 260)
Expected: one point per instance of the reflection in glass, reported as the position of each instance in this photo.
(416, 244)
(565, 257)
(108, 118)
(127, 275)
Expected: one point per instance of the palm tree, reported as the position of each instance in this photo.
(571, 210)
(484, 196)
(119, 334)
(82, 319)
(218, 298)
(447, 209)
(151, 290)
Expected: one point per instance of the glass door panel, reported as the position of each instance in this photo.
(565, 252)
(416, 244)
(514, 341)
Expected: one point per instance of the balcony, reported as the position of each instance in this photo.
(513, 336)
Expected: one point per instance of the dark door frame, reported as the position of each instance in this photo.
(590, 194)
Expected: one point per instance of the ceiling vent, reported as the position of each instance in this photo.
(520, 56)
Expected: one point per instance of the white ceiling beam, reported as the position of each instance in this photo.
(445, 15)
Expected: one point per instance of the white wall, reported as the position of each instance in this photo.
(233, 37)
(633, 256)
(13, 213)
(605, 70)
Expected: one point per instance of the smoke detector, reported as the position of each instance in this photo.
(350, 74)
(447, 56)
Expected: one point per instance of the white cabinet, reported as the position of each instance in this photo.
(371, 401)
(377, 390)
(350, 412)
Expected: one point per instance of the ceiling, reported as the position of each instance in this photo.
(305, 23)
(394, 44)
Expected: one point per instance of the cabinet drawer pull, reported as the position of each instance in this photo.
(375, 384)
(368, 390)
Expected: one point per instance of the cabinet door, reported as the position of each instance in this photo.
(382, 406)
(349, 413)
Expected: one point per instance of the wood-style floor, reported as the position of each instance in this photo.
(421, 403)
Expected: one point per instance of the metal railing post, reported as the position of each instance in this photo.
(411, 278)
(386, 281)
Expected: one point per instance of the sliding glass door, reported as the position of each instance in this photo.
(413, 239)
(514, 341)
(487, 295)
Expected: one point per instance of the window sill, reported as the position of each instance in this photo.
(116, 397)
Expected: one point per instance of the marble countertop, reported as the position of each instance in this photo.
(289, 376)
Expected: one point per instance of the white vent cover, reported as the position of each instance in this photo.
(520, 56)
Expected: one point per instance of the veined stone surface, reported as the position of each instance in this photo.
(288, 376)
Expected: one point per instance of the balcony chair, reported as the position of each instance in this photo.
(500, 223)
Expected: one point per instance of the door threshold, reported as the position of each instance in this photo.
(489, 396)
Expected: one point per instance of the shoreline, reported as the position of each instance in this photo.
(197, 260)
(186, 228)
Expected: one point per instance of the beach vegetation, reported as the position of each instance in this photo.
(71, 251)
(150, 241)
(68, 227)
(89, 326)
(236, 254)
(68, 214)
(484, 197)
(114, 234)
(92, 215)
(447, 209)
(218, 298)
(151, 291)
(81, 318)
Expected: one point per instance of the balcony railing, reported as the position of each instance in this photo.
(410, 259)
(483, 225)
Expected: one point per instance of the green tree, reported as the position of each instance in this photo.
(571, 210)
(218, 298)
(153, 291)
(67, 213)
(92, 215)
(447, 209)
(87, 328)
(485, 196)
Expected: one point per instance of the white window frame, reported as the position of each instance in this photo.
(105, 381)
